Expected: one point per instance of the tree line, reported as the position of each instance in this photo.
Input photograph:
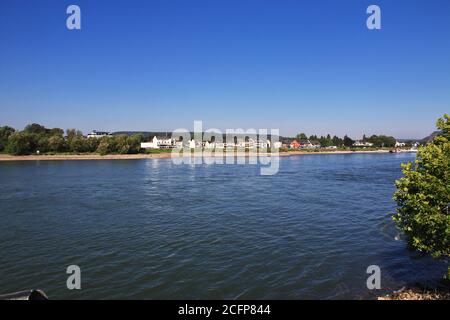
(328, 141)
(36, 138)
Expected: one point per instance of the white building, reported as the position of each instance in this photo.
(98, 134)
(277, 144)
(308, 144)
(359, 143)
(399, 144)
(250, 144)
(167, 143)
(162, 143)
(262, 144)
(178, 144)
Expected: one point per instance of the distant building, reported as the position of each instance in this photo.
(167, 143)
(161, 143)
(260, 144)
(308, 144)
(315, 144)
(294, 144)
(399, 144)
(359, 143)
(240, 143)
(277, 144)
(98, 134)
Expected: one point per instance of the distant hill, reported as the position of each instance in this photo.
(146, 134)
(423, 140)
(431, 136)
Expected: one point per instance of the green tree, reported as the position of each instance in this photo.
(123, 146)
(337, 141)
(19, 144)
(56, 143)
(326, 141)
(423, 196)
(5, 132)
(107, 145)
(56, 132)
(382, 141)
(76, 142)
(348, 142)
(35, 128)
(38, 136)
(42, 143)
(92, 144)
(135, 143)
(127, 144)
(103, 146)
(301, 136)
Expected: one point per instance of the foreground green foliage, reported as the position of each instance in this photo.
(36, 138)
(423, 196)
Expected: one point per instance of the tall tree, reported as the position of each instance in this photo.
(348, 142)
(423, 196)
(301, 136)
(337, 141)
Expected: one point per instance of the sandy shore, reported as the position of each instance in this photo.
(5, 157)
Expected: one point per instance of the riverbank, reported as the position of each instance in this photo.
(162, 155)
(417, 294)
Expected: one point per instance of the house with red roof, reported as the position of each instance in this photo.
(294, 145)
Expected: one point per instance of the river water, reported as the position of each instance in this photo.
(150, 229)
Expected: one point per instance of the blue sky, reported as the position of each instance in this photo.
(300, 66)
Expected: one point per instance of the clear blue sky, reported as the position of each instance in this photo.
(300, 66)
